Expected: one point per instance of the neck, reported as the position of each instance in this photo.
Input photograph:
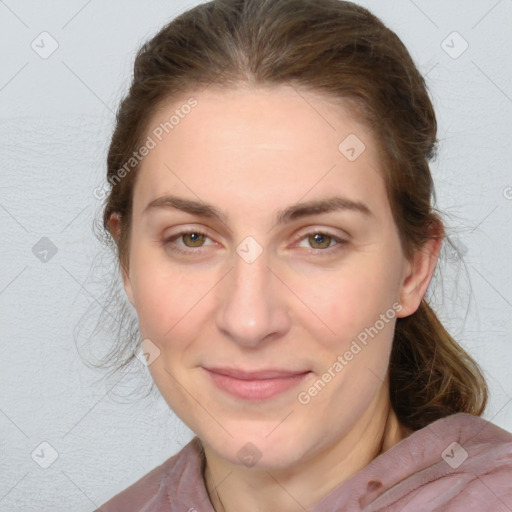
(233, 487)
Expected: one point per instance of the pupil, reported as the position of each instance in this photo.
(321, 239)
(192, 237)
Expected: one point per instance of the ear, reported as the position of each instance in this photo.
(418, 274)
(114, 225)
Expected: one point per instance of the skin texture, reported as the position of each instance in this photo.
(251, 153)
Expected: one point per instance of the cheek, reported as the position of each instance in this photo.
(156, 296)
(345, 303)
(162, 307)
(169, 301)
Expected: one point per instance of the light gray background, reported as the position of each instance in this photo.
(56, 117)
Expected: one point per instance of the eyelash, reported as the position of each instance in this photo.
(198, 251)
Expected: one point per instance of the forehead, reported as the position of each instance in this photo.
(265, 117)
(280, 142)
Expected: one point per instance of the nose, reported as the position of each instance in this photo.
(252, 308)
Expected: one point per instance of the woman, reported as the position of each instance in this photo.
(271, 204)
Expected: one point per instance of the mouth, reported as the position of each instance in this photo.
(255, 385)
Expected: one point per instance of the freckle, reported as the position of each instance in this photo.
(374, 485)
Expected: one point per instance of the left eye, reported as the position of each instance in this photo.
(320, 241)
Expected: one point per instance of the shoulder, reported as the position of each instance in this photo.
(476, 445)
(456, 462)
(184, 469)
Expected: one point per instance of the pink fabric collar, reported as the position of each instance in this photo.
(457, 463)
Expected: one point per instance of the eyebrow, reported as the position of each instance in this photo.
(291, 213)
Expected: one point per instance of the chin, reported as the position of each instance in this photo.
(256, 448)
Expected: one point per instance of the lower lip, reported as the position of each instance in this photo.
(260, 389)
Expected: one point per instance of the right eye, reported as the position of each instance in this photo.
(192, 238)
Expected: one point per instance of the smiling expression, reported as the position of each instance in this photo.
(259, 243)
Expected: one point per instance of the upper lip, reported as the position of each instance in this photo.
(269, 373)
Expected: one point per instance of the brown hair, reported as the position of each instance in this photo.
(341, 49)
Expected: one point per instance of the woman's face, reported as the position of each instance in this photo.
(291, 262)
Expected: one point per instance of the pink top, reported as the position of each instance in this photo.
(460, 463)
